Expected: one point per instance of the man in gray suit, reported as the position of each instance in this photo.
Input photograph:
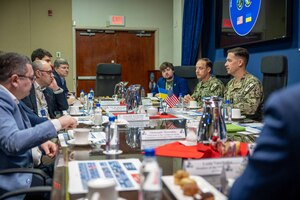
(17, 137)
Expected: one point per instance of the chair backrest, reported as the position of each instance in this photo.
(107, 76)
(188, 73)
(275, 73)
(220, 72)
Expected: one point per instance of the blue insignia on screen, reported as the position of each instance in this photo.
(243, 15)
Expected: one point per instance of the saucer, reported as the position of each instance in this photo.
(242, 117)
(73, 142)
(112, 153)
(197, 107)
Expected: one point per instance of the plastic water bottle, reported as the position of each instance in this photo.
(85, 103)
(98, 115)
(92, 94)
(150, 177)
(181, 101)
(112, 136)
(91, 105)
(227, 110)
(81, 95)
(142, 93)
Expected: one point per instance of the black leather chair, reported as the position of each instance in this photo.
(42, 191)
(188, 73)
(107, 76)
(220, 72)
(275, 73)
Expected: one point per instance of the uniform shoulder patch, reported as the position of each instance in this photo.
(249, 87)
(213, 87)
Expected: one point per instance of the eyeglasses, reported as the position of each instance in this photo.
(48, 72)
(31, 78)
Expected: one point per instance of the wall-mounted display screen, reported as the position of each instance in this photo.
(242, 22)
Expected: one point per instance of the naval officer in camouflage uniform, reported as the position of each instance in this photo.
(244, 91)
(208, 85)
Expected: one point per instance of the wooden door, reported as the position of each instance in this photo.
(133, 50)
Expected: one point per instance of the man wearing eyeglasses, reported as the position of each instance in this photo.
(46, 98)
(17, 137)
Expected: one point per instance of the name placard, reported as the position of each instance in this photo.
(133, 117)
(211, 166)
(110, 103)
(162, 134)
(115, 108)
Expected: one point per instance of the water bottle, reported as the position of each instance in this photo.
(181, 101)
(227, 110)
(112, 137)
(81, 95)
(98, 115)
(150, 177)
(92, 94)
(91, 105)
(85, 103)
(142, 93)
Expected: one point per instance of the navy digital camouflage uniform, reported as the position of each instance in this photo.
(212, 87)
(246, 94)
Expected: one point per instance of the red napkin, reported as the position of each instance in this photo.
(162, 116)
(176, 149)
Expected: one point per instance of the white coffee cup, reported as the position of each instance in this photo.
(79, 155)
(193, 104)
(149, 95)
(102, 189)
(81, 135)
(235, 113)
(74, 110)
(152, 111)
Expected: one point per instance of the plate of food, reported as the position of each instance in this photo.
(186, 187)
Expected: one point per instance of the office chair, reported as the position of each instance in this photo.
(220, 72)
(275, 73)
(188, 73)
(107, 76)
(41, 190)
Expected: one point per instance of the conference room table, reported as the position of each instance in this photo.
(131, 148)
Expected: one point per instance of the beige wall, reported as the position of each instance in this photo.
(25, 26)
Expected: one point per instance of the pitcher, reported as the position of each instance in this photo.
(212, 126)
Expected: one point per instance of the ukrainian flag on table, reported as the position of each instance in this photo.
(163, 93)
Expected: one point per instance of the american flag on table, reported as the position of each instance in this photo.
(172, 99)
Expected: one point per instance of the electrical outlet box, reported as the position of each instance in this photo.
(58, 54)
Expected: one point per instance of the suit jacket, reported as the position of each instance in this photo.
(33, 118)
(60, 83)
(273, 169)
(180, 85)
(55, 102)
(17, 138)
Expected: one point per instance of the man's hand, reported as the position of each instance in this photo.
(67, 122)
(53, 85)
(50, 148)
(188, 98)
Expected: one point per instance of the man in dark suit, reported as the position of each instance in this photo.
(273, 169)
(45, 97)
(170, 81)
(61, 71)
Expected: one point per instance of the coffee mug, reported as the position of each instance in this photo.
(81, 135)
(236, 113)
(149, 95)
(152, 111)
(102, 189)
(193, 104)
(74, 110)
(79, 155)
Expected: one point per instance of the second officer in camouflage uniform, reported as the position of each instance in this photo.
(244, 91)
(208, 86)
